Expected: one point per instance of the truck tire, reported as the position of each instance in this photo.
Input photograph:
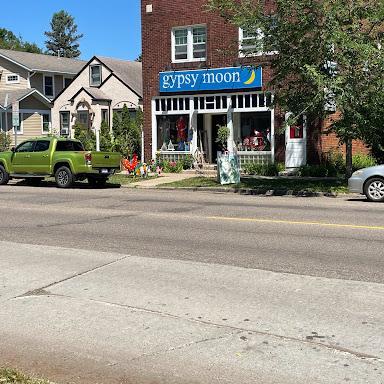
(64, 177)
(4, 176)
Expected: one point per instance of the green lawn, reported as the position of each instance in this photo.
(11, 376)
(125, 179)
(263, 185)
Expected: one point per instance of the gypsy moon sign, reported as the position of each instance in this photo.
(211, 79)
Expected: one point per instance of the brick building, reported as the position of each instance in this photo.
(197, 77)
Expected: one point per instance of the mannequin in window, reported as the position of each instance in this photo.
(181, 127)
(165, 129)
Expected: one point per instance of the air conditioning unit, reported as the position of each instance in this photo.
(64, 132)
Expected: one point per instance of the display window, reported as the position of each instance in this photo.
(255, 132)
(173, 133)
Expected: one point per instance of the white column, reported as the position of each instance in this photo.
(154, 130)
(272, 130)
(193, 122)
(230, 124)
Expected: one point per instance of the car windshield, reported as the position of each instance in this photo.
(67, 146)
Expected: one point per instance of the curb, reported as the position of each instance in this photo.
(246, 191)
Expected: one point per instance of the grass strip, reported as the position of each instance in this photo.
(277, 184)
(11, 376)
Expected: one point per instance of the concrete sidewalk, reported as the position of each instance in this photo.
(92, 317)
(164, 178)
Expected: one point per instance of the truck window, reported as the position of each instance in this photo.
(41, 146)
(25, 147)
(68, 146)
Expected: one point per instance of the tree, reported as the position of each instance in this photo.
(329, 56)
(105, 137)
(86, 136)
(127, 132)
(63, 37)
(139, 58)
(8, 40)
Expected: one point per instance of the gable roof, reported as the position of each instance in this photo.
(43, 63)
(129, 72)
(21, 94)
(95, 93)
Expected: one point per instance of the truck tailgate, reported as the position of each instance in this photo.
(105, 160)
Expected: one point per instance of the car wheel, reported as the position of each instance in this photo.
(374, 189)
(4, 176)
(64, 177)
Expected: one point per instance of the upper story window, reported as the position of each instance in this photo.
(95, 75)
(13, 78)
(66, 81)
(189, 43)
(48, 86)
(250, 42)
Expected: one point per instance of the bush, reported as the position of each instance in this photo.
(86, 136)
(5, 142)
(171, 166)
(187, 162)
(335, 163)
(360, 161)
(262, 169)
(313, 171)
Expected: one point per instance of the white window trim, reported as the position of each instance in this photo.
(12, 81)
(189, 58)
(90, 75)
(53, 85)
(253, 54)
(21, 127)
(42, 123)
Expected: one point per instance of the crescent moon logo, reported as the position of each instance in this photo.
(251, 79)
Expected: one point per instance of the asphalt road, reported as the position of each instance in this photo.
(138, 286)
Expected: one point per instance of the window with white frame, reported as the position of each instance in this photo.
(45, 123)
(48, 86)
(95, 75)
(13, 78)
(189, 43)
(250, 42)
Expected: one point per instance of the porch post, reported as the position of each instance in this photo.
(154, 129)
(230, 124)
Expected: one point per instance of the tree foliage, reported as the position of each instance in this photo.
(329, 55)
(127, 132)
(63, 37)
(5, 141)
(86, 136)
(8, 40)
(105, 137)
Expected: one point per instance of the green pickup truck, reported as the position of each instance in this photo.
(65, 159)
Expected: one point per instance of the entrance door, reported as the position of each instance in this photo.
(296, 145)
(217, 121)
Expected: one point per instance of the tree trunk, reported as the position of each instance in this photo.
(348, 158)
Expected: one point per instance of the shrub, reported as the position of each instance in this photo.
(335, 163)
(262, 169)
(86, 136)
(5, 141)
(171, 166)
(222, 136)
(360, 161)
(313, 170)
(187, 162)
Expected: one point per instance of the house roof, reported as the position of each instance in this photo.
(21, 94)
(95, 93)
(129, 72)
(43, 63)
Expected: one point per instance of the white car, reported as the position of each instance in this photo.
(368, 182)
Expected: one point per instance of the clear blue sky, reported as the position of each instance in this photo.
(111, 28)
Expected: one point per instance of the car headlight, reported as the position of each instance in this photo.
(358, 173)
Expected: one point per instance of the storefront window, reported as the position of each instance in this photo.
(255, 132)
(173, 133)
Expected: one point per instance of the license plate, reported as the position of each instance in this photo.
(104, 170)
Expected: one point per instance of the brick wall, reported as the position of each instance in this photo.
(222, 46)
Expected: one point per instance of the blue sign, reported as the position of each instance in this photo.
(211, 79)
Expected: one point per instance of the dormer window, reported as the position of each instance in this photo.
(95, 75)
(13, 78)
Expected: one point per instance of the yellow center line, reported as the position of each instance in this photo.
(313, 223)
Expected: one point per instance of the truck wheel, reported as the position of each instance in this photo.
(4, 176)
(64, 177)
